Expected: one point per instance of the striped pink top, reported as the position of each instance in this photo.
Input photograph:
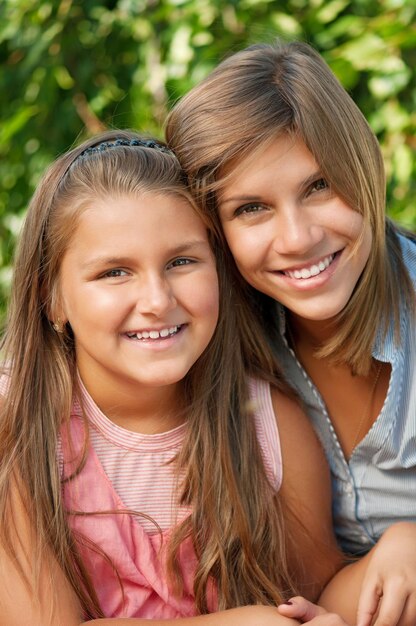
(126, 455)
(123, 471)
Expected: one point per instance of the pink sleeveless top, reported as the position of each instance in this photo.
(139, 557)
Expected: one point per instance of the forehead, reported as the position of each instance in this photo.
(135, 219)
(278, 157)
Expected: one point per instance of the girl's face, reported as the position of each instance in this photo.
(291, 236)
(139, 288)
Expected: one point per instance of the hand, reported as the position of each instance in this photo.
(305, 611)
(388, 592)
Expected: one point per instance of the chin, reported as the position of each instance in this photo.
(164, 380)
(317, 316)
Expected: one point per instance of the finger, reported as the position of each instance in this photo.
(408, 617)
(301, 609)
(391, 605)
(368, 604)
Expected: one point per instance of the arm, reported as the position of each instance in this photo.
(306, 490)
(378, 589)
(54, 602)
(382, 585)
(243, 616)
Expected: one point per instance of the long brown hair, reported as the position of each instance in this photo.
(237, 523)
(269, 90)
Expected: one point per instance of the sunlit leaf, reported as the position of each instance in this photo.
(14, 124)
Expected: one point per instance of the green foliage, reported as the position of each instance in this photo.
(70, 68)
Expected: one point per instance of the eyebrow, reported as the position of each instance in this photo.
(189, 246)
(249, 198)
(239, 199)
(185, 247)
(105, 260)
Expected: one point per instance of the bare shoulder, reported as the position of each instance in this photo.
(305, 478)
(306, 495)
(296, 432)
(52, 601)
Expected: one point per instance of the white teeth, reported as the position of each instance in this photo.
(154, 334)
(314, 270)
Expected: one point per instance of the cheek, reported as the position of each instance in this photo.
(357, 231)
(207, 301)
(342, 218)
(84, 305)
(245, 246)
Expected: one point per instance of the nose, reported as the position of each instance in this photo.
(295, 231)
(155, 296)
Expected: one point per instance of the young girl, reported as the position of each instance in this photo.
(278, 152)
(140, 469)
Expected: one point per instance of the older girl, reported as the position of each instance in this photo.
(279, 154)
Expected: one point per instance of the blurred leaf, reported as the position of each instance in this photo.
(364, 52)
(330, 10)
(15, 123)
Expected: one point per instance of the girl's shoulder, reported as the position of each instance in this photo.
(295, 428)
(291, 424)
(285, 409)
(306, 494)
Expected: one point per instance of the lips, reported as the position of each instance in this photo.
(162, 333)
(312, 270)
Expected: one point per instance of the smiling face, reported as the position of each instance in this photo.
(291, 236)
(139, 288)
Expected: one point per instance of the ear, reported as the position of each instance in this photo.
(54, 306)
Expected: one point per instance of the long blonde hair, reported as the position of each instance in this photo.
(237, 522)
(268, 90)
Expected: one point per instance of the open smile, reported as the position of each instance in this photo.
(305, 272)
(163, 333)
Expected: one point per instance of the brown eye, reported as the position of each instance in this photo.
(319, 185)
(248, 208)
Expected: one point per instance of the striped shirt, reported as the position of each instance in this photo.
(377, 487)
(140, 467)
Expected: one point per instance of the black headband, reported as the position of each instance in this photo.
(142, 143)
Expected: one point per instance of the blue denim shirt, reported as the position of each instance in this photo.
(378, 485)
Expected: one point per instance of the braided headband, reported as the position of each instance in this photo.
(107, 145)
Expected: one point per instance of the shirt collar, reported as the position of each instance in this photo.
(385, 347)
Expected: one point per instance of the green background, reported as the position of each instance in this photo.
(71, 68)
